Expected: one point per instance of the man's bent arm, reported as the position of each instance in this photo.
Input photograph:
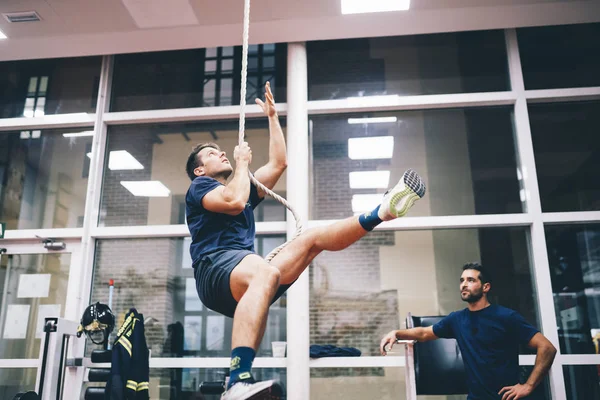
(420, 334)
(232, 198)
(543, 360)
(270, 173)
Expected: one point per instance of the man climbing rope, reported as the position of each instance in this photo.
(230, 277)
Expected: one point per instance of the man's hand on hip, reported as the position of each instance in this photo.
(515, 392)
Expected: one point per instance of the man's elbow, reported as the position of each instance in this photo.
(238, 207)
(549, 349)
(423, 335)
(235, 207)
(281, 165)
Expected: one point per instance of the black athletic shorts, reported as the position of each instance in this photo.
(212, 273)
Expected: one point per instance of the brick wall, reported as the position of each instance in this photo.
(119, 207)
(144, 271)
(347, 306)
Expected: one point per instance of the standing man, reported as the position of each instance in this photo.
(230, 277)
(488, 336)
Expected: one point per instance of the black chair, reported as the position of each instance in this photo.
(439, 368)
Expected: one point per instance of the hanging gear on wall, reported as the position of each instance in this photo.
(130, 370)
(97, 322)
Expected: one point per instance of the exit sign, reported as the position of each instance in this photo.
(2, 229)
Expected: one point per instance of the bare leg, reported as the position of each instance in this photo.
(253, 284)
(296, 256)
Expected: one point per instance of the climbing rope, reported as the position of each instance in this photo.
(242, 133)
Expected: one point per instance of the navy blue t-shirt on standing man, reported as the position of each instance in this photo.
(213, 231)
(489, 342)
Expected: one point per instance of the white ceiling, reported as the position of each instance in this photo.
(89, 27)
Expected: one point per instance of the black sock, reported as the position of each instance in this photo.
(241, 364)
(370, 220)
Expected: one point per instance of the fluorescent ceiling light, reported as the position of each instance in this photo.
(121, 159)
(146, 188)
(369, 179)
(2, 36)
(367, 148)
(370, 6)
(375, 120)
(78, 134)
(365, 202)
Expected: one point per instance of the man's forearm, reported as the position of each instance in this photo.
(543, 362)
(238, 189)
(277, 149)
(410, 334)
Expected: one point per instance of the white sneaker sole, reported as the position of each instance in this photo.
(265, 390)
(402, 197)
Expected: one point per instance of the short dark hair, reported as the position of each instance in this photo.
(484, 275)
(194, 161)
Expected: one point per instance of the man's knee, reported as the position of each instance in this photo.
(269, 275)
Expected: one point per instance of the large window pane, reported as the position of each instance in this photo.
(385, 384)
(34, 286)
(560, 56)
(57, 86)
(363, 292)
(465, 156)
(196, 78)
(567, 155)
(574, 258)
(15, 380)
(157, 278)
(462, 62)
(359, 384)
(582, 382)
(158, 153)
(183, 383)
(44, 177)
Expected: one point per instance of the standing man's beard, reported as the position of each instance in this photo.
(472, 297)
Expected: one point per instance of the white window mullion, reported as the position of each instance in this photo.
(186, 114)
(571, 217)
(74, 379)
(74, 120)
(404, 103)
(559, 95)
(537, 238)
(441, 222)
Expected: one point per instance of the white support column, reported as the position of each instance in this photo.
(539, 255)
(74, 376)
(298, 335)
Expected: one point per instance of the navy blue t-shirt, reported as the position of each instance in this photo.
(212, 231)
(489, 342)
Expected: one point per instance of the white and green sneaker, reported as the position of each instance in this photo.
(398, 200)
(263, 390)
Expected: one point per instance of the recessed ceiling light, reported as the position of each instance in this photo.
(368, 148)
(374, 120)
(146, 188)
(78, 134)
(2, 36)
(369, 179)
(371, 6)
(122, 159)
